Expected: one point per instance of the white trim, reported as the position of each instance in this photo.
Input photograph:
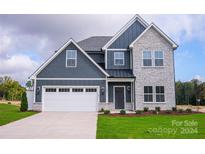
(124, 95)
(174, 45)
(58, 52)
(117, 49)
(73, 86)
(66, 64)
(124, 28)
(106, 88)
(105, 59)
(70, 79)
(154, 102)
(34, 91)
(123, 58)
(121, 79)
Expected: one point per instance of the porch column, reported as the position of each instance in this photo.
(106, 87)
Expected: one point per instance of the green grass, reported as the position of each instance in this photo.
(152, 127)
(9, 113)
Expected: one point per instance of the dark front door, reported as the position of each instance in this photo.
(119, 98)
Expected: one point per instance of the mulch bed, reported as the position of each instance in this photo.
(151, 113)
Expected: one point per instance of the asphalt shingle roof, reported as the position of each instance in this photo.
(123, 73)
(94, 43)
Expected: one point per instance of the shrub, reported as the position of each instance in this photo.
(9, 103)
(168, 111)
(157, 109)
(122, 112)
(188, 110)
(101, 110)
(146, 109)
(138, 111)
(174, 109)
(154, 112)
(24, 103)
(180, 110)
(106, 111)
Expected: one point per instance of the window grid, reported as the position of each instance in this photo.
(159, 58)
(147, 58)
(153, 58)
(148, 94)
(71, 58)
(77, 90)
(91, 90)
(64, 90)
(50, 89)
(119, 58)
(160, 97)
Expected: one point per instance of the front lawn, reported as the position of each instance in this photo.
(151, 127)
(9, 113)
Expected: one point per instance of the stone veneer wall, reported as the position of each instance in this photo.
(154, 76)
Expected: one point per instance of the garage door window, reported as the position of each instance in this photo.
(64, 90)
(77, 90)
(50, 89)
(91, 90)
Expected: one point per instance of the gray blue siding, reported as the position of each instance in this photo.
(110, 60)
(57, 68)
(123, 41)
(97, 57)
(110, 90)
(40, 83)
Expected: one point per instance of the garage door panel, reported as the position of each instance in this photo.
(70, 101)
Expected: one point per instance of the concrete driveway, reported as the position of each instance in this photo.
(53, 125)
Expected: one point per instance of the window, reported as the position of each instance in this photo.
(147, 58)
(71, 58)
(160, 94)
(91, 90)
(148, 94)
(159, 58)
(77, 90)
(64, 90)
(50, 89)
(119, 58)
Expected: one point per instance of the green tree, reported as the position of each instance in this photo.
(24, 103)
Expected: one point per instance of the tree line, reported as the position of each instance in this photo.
(10, 89)
(191, 92)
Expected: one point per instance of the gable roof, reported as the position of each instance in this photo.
(119, 33)
(94, 43)
(152, 25)
(59, 51)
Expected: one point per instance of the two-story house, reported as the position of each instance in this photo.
(131, 70)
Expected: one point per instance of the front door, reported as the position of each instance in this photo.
(119, 97)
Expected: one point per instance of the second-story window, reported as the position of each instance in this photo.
(119, 58)
(159, 58)
(71, 58)
(147, 58)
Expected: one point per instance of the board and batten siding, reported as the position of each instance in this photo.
(110, 60)
(57, 68)
(123, 41)
(100, 83)
(97, 57)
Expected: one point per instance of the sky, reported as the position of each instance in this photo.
(26, 41)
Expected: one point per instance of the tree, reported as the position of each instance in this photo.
(10, 89)
(24, 103)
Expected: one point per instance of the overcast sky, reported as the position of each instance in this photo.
(27, 40)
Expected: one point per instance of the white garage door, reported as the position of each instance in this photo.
(70, 99)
